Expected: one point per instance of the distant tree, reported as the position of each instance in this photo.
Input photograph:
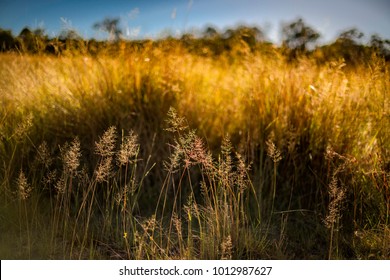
(25, 33)
(39, 32)
(69, 34)
(382, 46)
(350, 36)
(376, 41)
(7, 41)
(244, 37)
(248, 34)
(347, 46)
(33, 41)
(111, 26)
(187, 37)
(210, 33)
(297, 35)
(68, 40)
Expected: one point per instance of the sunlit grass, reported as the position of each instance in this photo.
(160, 153)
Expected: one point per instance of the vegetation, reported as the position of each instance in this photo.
(217, 147)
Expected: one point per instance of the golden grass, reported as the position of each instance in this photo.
(275, 145)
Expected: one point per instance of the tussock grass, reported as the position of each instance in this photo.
(157, 153)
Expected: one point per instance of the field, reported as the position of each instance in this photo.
(158, 152)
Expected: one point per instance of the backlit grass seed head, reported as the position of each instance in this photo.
(71, 156)
(336, 195)
(181, 149)
(272, 151)
(129, 149)
(43, 155)
(60, 186)
(24, 189)
(50, 178)
(121, 196)
(175, 123)
(226, 146)
(226, 149)
(149, 226)
(198, 154)
(174, 160)
(103, 172)
(204, 189)
(226, 248)
(242, 173)
(177, 223)
(330, 153)
(106, 144)
(226, 162)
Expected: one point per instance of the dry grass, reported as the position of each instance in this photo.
(173, 155)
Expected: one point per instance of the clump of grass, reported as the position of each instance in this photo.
(219, 208)
(276, 156)
(332, 220)
(24, 190)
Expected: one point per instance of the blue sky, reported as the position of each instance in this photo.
(141, 18)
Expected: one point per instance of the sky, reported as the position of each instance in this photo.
(154, 18)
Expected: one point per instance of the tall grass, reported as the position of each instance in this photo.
(159, 153)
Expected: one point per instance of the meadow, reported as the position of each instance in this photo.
(155, 151)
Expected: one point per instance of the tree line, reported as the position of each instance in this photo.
(298, 38)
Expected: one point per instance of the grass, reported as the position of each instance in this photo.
(160, 153)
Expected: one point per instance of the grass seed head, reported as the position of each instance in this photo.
(227, 248)
(103, 172)
(24, 189)
(273, 152)
(175, 123)
(106, 144)
(71, 156)
(43, 155)
(129, 149)
(336, 195)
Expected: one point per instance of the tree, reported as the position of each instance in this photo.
(26, 33)
(245, 33)
(350, 36)
(210, 33)
(297, 35)
(69, 34)
(382, 46)
(33, 41)
(111, 26)
(7, 41)
(244, 37)
(40, 33)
